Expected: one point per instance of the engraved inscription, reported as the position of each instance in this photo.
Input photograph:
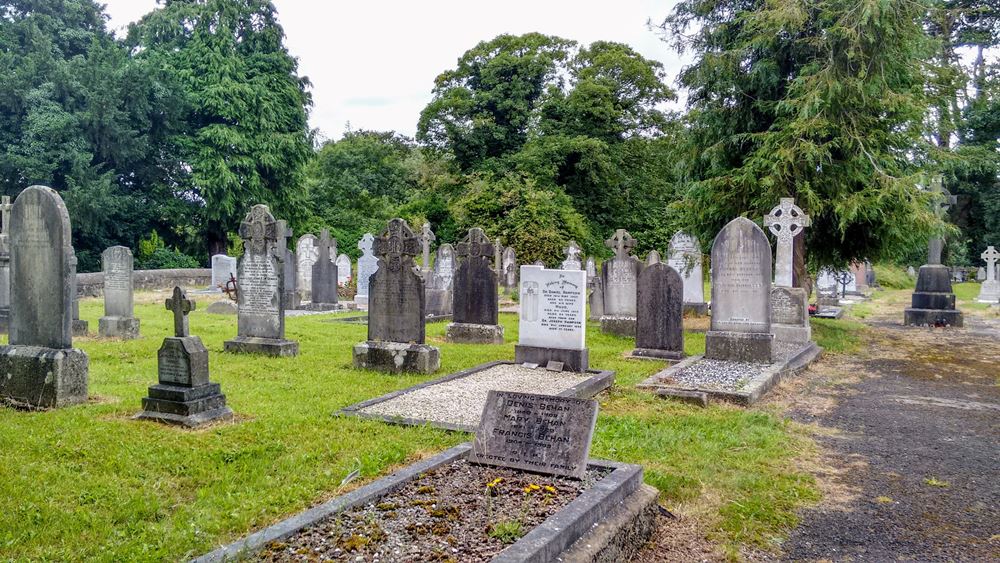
(258, 286)
(174, 367)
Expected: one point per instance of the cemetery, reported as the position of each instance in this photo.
(556, 318)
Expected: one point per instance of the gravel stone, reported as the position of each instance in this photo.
(461, 401)
(718, 374)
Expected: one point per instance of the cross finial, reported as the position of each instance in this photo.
(474, 245)
(365, 244)
(327, 246)
(572, 251)
(786, 220)
(397, 245)
(621, 242)
(180, 305)
(426, 238)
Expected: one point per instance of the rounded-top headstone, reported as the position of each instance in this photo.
(741, 278)
(41, 270)
(117, 262)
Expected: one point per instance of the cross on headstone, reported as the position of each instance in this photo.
(5, 207)
(396, 245)
(622, 243)
(785, 221)
(257, 229)
(990, 256)
(180, 306)
(326, 245)
(572, 252)
(426, 238)
(476, 244)
(283, 234)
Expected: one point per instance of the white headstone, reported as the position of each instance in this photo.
(684, 256)
(553, 308)
(222, 267)
(306, 252)
(367, 264)
(989, 292)
(343, 270)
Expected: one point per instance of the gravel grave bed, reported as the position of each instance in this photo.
(717, 374)
(458, 512)
(461, 401)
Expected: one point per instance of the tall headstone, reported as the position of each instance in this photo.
(396, 308)
(183, 394)
(367, 265)
(261, 316)
(860, 272)
(596, 298)
(306, 254)
(684, 256)
(591, 269)
(572, 261)
(426, 238)
(659, 313)
(474, 319)
(509, 268)
(5, 207)
(119, 319)
(324, 273)
(619, 276)
(989, 291)
(786, 221)
(741, 295)
(40, 367)
(553, 318)
(223, 269)
(343, 270)
(439, 282)
(290, 272)
(498, 260)
(789, 305)
(933, 301)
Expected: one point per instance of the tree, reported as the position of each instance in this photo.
(243, 137)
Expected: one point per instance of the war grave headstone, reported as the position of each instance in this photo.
(659, 313)
(5, 207)
(343, 270)
(306, 255)
(119, 319)
(619, 278)
(40, 366)
(509, 268)
(439, 289)
(933, 301)
(684, 256)
(367, 265)
(223, 269)
(989, 291)
(553, 325)
(183, 394)
(261, 316)
(789, 305)
(572, 252)
(396, 308)
(474, 317)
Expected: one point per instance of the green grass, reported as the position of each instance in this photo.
(838, 335)
(90, 483)
(891, 276)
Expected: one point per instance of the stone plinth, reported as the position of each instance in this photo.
(397, 357)
(118, 327)
(618, 325)
(572, 360)
(790, 315)
(43, 377)
(933, 302)
(739, 346)
(263, 346)
(468, 333)
(185, 406)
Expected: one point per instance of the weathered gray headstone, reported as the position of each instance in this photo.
(396, 308)
(343, 270)
(591, 269)
(619, 276)
(981, 274)
(552, 324)
(290, 269)
(5, 208)
(324, 273)
(741, 295)
(653, 258)
(183, 395)
(119, 319)
(40, 367)
(475, 293)
(426, 238)
(684, 256)
(498, 260)
(79, 327)
(306, 255)
(367, 265)
(790, 315)
(596, 298)
(261, 317)
(911, 271)
(989, 291)
(572, 252)
(223, 269)
(660, 313)
(541, 433)
(439, 282)
(509, 268)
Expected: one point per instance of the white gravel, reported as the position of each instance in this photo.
(461, 401)
(718, 374)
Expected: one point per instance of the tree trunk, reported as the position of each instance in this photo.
(800, 275)
(218, 240)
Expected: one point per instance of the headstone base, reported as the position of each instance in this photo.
(573, 360)
(397, 357)
(43, 377)
(439, 302)
(262, 346)
(118, 327)
(739, 346)
(932, 317)
(468, 333)
(654, 354)
(989, 292)
(340, 306)
(80, 328)
(185, 406)
(223, 308)
(933, 302)
(696, 309)
(621, 326)
(791, 333)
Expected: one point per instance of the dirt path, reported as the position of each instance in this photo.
(910, 432)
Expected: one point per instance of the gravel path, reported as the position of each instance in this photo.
(461, 401)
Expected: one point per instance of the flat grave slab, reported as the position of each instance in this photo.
(455, 402)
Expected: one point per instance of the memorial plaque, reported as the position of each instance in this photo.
(540, 433)
(741, 278)
(553, 308)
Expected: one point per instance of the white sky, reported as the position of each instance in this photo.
(373, 63)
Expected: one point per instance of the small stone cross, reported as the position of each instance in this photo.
(785, 221)
(397, 245)
(180, 305)
(990, 256)
(622, 243)
(326, 246)
(5, 207)
(365, 244)
(572, 251)
(474, 245)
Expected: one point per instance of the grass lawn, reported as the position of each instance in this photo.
(87, 482)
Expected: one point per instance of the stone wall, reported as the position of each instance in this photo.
(92, 285)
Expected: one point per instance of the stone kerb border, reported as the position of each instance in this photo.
(544, 543)
(92, 285)
(599, 381)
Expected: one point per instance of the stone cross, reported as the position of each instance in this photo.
(396, 245)
(497, 256)
(990, 256)
(572, 252)
(426, 238)
(326, 246)
(622, 243)
(283, 234)
(5, 207)
(785, 221)
(180, 305)
(474, 245)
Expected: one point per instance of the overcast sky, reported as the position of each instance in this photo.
(372, 64)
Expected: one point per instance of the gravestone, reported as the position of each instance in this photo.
(5, 207)
(367, 265)
(325, 273)
(80, 327)
(653, 258)
(989, 291)
(40, 368)
(306, 255)
(552, 319)
(261, 317)
(223, 269)
(290, 293)
(684, 256)
(981, 274)
(619, 276)
(933, 301)
(786, 221)
(396, 308)
(498, 260)
(539, 433)
(426, 238)
(659, 313)
(860, 272)
(790, 315)
(591, 269)
(741, 295)
(474, 318)
(572, 252)
(509, 268)
(789, 305)
(119, 319)
(183, 394)
(343, 270)
(596, 298)
(910, 271)
(439, 283)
